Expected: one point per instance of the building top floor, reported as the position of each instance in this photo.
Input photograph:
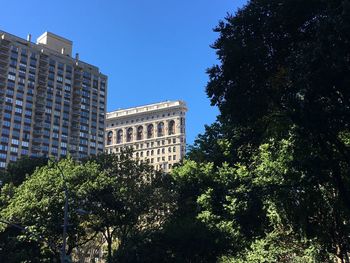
(52, 45)
(146, 109)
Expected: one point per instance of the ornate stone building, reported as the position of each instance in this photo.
(156, 132)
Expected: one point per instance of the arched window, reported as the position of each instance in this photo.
(120, 136)
(109, 138)
(171, 127)
(160, 129)
(140, 133)
(150, 131)
(129, 135)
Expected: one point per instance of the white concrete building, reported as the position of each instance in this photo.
(155, 131)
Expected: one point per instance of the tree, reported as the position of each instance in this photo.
(183, 237)
(213, 145)
(37, 206)
(16, 172)
(284, 77)
(130, 200)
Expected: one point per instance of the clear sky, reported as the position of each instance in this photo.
(152, 50)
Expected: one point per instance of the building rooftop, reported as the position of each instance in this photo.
(49, 42)
(146, 108)
(55, 42)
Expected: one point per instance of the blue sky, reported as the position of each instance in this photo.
(152, 50)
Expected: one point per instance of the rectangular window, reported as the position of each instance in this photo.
(14, 149)
(6, 123)
(11, 77)
(3, 147)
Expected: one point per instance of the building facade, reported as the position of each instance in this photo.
(50, 103)
(156, 132)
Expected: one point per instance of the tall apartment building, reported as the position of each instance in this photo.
(50, 103)
(156, 132)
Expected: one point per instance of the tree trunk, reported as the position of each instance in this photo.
(339, 254)
(109, 256)
(109, 245)
(337, 176)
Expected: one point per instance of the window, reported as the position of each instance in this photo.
(171, 127)
(129, 135)
(150, 132)
(120, 136)
(140, 133)
(6, 123)
(11, 77)
(160, 129)
(109, 138)
(14, 149)
(3, 148)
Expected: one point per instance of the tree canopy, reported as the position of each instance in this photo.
(282, 88)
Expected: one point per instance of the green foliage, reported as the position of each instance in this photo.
(280, 247)
(133, 199)
(37, 204)
(16, 172)
(112, 196)
(212, 145)
(282, 92)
